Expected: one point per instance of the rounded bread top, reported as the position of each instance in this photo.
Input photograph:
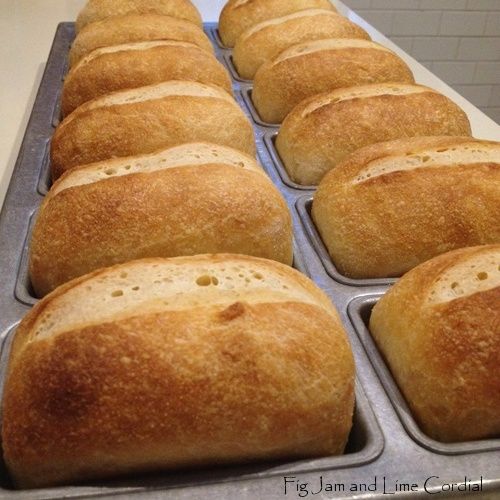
(135, 47)
(185, 155)
(306, 48)
(96, 10)
(151, 286)
(301, 14)
(405, 155)
(239, 15)
(127, 28)
(150, 93)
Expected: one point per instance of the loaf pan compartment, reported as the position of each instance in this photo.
(359, 312)
(57, 116)
(229, 62)
(212, 30)
(246, 94)
(365, 444)
(269, 139)
(57, 113)
(303, 206)
(223, 474)
(23, 290)
(298, 258)
(44, 179)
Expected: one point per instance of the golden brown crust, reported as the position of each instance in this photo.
(281, 84)
(239, 15)
(312, 143)
(175, 281)
(139, 64)
(131, 28)
(98, 130)
(385, 225)
(165, 213)
(265, 41)
(189, 154)
(444, 356)
(97, 10)
(206, 385)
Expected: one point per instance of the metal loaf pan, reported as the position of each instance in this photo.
(303, 206)
(32, 175)
(382, 443)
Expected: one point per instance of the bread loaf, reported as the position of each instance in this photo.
(264, 41)
(190, 199)
(143, 120)
(323, 130)
(239, 15)
(167, 363)
(391, 206)
(132, 65)
(131, 28)
(438, 329)
(310, 68)
(97, 10)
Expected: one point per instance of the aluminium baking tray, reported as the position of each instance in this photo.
(386, 448)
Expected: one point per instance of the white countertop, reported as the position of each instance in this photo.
(27, 28)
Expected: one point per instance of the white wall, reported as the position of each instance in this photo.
(459, 40)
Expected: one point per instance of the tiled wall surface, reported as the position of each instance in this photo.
(458, 40)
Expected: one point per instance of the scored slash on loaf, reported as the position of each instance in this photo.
(130, 28)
